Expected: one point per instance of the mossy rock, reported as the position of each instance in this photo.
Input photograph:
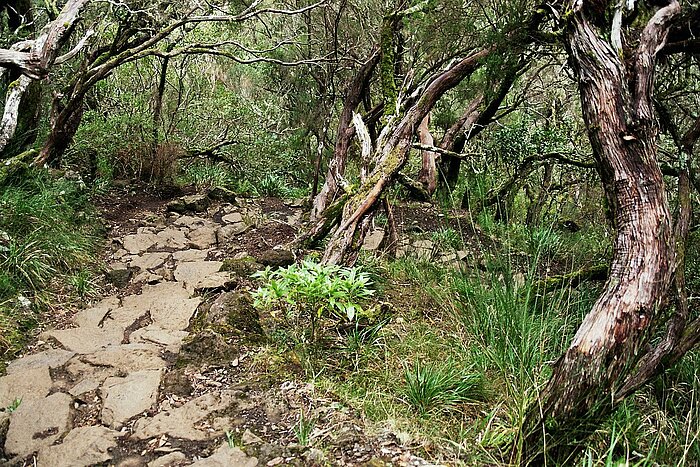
(222, 194)
(233, 314)
(241, 267)
(276, 258)
(210, 347)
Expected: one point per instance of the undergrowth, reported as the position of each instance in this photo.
(48, 240)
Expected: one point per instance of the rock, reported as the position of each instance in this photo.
(203, 237)
(296, 202)
(219, 193)
(209, 346)
(190, 255)
(84, 386)
(373, 240)
(249, 438)
(242, 267)
(85, 340)
(226, 456)
(148, 261)
(190, 222)
(180, 422)
(171, 238)
(276, 258)
(124, 398)
(148, 278)
(118, 274)
(228, 231)
(28, 385)
(156, 335)
(139, 243)
(193, 272)
(83, 446)
(315, 456)
(127, 357)
(168, 303)
(423, 244)
(235, 311)
(125, 317)
(93, 317)
(215, 282)
(38, 423)
(53, 358)
(192, 203)
(233, 218)
(169, 460)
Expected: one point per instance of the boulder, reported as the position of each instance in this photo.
(235, 312)
(192, 203)
(225, 195)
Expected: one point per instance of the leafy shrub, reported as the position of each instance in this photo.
(311, 290)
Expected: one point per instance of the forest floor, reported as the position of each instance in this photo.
(171, 367)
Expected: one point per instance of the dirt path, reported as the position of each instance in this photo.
(170, 369)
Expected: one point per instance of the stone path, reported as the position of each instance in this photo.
(108, 389)
(113, 359)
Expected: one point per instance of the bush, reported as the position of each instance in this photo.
(311, 291)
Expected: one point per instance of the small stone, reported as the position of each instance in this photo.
(242, 267)
(118, 274)
(139, 243)
(373, 240)
(148, 261)
(83, 446)
(169, 460)
(190, 255)
(203, 237)
(127, 397)
(226, 456)
(38, 423)
(215, 282)
(171, 238)
(249, 438)
(275, 461)
(233, 218)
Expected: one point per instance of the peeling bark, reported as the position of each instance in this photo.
(428, 174)
(618, 110)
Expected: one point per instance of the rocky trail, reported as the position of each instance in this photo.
(170, 368)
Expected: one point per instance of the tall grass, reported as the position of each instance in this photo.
(47, 238)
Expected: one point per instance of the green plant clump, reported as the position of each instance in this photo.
(311, 290)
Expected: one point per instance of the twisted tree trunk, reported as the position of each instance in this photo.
(617, 105)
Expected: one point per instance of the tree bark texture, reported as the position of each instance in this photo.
(346, 132)
(390, 156)
(428, 173)
(618, 110)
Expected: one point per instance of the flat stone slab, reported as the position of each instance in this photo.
(168, 303)
(190, 221)
(85, 340)
(216, 281)
(171, 238)
(373, 240)
(93, 317)
(38, 423)
(138, 243)
(52, 358)
(148, 260)
(124, 398)
(203, 237)
(233, 218)
(180, 422)
(190, 255)
(226, 456)
(192, 273)
(127, 357)
(81, 447)
(156, 335)
(31, 384)
(124, 317)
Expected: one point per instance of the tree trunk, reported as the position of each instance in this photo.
(390, 157)
(428, 174)
(158, 104)
(618, 111)
(345, 133)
